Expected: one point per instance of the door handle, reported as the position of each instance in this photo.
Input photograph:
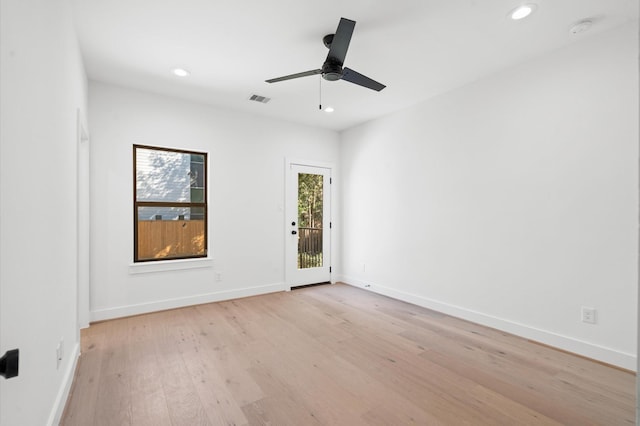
(9, 364)
(294, 232)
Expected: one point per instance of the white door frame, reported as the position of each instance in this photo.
(83, 224)
(291, 198)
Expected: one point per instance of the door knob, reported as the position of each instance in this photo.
(294, 232)
(9, 364)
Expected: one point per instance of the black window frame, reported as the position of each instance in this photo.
(137, 204)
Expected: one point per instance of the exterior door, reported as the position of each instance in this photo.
(308, 225)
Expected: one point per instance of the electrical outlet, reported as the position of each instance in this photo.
(364, 267)
(59, 353)
(218, 276)
(589, 315)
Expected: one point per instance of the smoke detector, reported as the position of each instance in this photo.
(581, 26)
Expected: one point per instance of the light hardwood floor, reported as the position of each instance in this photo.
(332, 355)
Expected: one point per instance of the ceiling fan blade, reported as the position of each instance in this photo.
(292, 76)
(361, 80)
(341, 40)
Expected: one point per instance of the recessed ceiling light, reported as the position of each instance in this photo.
(181, 72)
(523, 11)
(329, 109)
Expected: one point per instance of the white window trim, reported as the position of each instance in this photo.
(170, 265)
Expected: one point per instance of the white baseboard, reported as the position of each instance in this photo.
(160, 305)
(61, 399)
(570, 344)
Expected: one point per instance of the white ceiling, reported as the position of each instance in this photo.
(418, 48)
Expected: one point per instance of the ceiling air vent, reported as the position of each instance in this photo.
(258, 98)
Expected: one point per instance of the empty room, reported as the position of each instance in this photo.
(302, 213)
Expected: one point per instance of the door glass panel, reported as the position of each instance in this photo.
(310, 190)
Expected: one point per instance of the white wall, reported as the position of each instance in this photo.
(512, 201)
(42, 84)
(246, 199)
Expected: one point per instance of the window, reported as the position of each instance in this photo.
(170, 204)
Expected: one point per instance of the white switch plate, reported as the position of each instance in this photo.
(589, 315)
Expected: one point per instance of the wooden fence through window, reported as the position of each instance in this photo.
(158, 239)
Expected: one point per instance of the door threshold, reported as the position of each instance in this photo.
(298, 287)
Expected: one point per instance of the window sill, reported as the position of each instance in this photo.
(170, 265)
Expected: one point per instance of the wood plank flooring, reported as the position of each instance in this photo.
(332, 355)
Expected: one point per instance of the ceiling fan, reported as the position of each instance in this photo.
(333, 69)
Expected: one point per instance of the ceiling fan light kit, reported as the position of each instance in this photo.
(333, 68)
